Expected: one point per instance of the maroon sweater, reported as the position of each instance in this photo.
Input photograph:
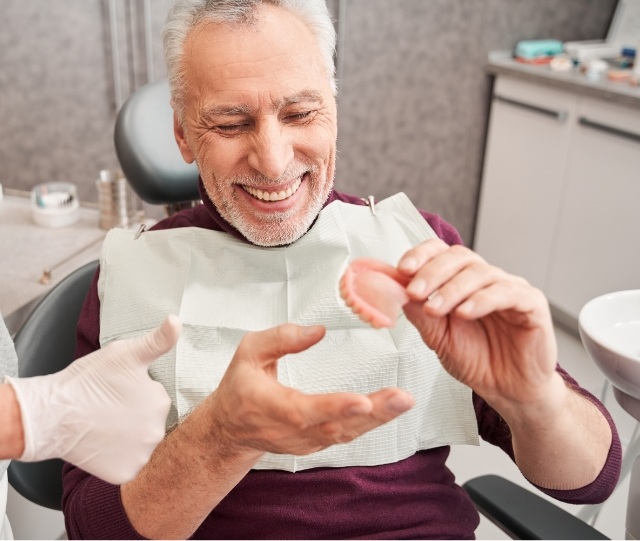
(414, 498)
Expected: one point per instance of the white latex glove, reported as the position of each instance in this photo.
(103, 412)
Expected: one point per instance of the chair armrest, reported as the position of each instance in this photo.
(521, 514)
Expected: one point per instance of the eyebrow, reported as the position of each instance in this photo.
(312, 96)
(304, 96)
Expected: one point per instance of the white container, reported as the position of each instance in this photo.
(55, 204)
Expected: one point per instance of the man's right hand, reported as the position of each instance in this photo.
(249, 414)
(253, 413)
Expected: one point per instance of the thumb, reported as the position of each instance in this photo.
(266, 347)
(147, 348)
(430, 327)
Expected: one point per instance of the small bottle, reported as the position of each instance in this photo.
(113, 199)
(626, 57)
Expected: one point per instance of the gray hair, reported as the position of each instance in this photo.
(186, 14)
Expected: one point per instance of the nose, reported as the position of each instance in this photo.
(271, 149)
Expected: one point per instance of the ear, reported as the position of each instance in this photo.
(181, 139)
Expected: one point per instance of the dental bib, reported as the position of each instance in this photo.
(221, 288)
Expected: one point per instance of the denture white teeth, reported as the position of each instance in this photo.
(273, 196)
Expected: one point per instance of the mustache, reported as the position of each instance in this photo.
(258, 180)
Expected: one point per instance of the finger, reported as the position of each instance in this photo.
(512, 294)
(147, 348)
(417, 256)
(387, 405)
(439, 269)
(463, 283)
(305, 410)
(161, 399)
(265, 347)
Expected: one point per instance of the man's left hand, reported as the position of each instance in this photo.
(491, 330)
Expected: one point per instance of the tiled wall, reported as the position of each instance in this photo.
(413, 97)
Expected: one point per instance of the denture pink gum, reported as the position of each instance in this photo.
(375, 291)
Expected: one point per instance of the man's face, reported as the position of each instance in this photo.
(260, 121)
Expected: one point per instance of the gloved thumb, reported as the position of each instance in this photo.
(147, 348)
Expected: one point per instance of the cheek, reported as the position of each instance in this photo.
(318, 144)
(220, 157)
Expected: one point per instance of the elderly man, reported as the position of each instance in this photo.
(253, 94)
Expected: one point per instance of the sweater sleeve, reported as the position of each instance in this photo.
(93, 508)
(495, 430)
(443, 229)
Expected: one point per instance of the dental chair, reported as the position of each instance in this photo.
(148, 152)
(521, 514)
(45, 344)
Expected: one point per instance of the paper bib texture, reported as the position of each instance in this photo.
(221, 288)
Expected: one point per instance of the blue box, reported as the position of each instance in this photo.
(538, 48)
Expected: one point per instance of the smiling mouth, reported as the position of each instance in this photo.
(264, 195)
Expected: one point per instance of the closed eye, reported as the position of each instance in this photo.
(299, 117)
(230, 128)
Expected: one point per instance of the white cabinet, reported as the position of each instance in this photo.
(597, 249)
(527, 145)
(560, 196)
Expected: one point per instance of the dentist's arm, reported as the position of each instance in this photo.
(11, 433)
(102, 413)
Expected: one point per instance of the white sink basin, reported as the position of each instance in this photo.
(610, 331)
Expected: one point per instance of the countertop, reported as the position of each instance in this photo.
(622, 93)
(28, 249)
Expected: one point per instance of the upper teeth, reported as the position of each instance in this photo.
(274, 196)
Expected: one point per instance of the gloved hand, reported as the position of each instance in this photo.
(103, 412)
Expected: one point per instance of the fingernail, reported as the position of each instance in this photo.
(312, 330)
(417, 287)
(467, 307)
(408, 264)
(435, 300)
(397, 404)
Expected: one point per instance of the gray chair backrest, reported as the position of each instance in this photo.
(147, 149)
(46, 344)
